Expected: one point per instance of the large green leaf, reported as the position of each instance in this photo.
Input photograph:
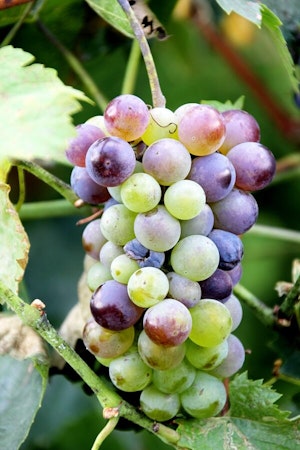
(35, 108)
(23, 385)
(14, 242)
(249, 10)
(254, 422)
(111, 12)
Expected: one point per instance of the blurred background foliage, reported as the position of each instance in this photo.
(206, 56)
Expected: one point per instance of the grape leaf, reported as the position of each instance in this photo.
(253, 422)
(23, 385)
(111, 12)
(14, 242)
(238, 104)
(35, 108)
(249, 10)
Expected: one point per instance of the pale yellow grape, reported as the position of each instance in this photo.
(184, 199)
(147, 286)
(115, 191)
(122, 267)
(117, 224)
(163, 124)
(140, 192)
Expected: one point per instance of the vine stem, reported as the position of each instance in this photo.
(283, 234)
(106, 396)
(51, 209)
(131, 69)
(105, 432)
(288, 305)
(158, 98)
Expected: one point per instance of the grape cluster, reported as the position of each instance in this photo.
(177, 189)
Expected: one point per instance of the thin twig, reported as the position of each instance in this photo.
(4, 4)
(11, 34)
(131, 72)
(283, 234)
(262, 311)
(105, 432)
(288, 305)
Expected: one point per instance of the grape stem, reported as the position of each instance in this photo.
(262, 311)
(105, 432)
(131, 72)
(283, 234)
(158, 98)
(52, 209)
(106, 396)
(288, 305)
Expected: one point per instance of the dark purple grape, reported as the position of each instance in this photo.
(254, 164)
(215, 174)
(110, 161)
(142, 255)
(218, 286)
(230, 248)
(236, 273)
(112, 308)
(87, 134)
(86, 188)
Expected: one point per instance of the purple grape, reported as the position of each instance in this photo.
(87, 134)
(215, 174)
(230, 248)
(254, 164)
(201, 224)
(112, 308)
(93, 239)
(218, 286)
(233, 361)
(235, 308)
(86, 188)
(236, 273)
(237, 212)
(142, 255)
(110, 161)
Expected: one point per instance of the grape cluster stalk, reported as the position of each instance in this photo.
(176, 188)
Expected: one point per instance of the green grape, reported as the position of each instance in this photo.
(157, 405)
(206, 397)
(211, 323)
(147, 286)
(98, 273)
(206, 358)
(129, 373)
(174, 380)
(109, 252)
(184, 199)
(163, 124)
(115, 191)
(140, 192)
(195, 257)
(122, 267)
(117, 223)
(158, 356)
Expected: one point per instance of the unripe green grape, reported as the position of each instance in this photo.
(109, 252)
(129, 373)
(184, 199)
(122, 267)
(97, 275)
(206, 358)
(163, 124)
(117, 224)
(157, 405)
(115, 191)
(140, 192)
(147, 286)
(174, 380)
(206, 397)
(211, 323)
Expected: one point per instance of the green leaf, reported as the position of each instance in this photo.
(249, 10)
(22, 389)
(238, 104)
(35, 108)
(111, 12)
(14, 242)
(253, 422)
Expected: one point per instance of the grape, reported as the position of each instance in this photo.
(115, 191)
(98, 121)
(201, 224)
(110, 161)
(167, 160)
(206, 397)
(206, 358)
(184, 199)
(122, 267)
(143, 256)
(147, 286)
(109, 252)
(235, 308)
(112, 308)
(97, 275)
(240, 127)
(140, 192)
(230, 248)
(86, 135)
(183, 289)
(233, 361)
(217, 286)
(86, 188)
(201, 129)
(254, 164)
(174, 380)
(158, 356)
(236, 273)
(237, 212)
(168, 323)
(93, 239)
(211, 323)
(129, 373)
(127, 117)
(104, 343)
(182, 109)
(157, 229)
(117, 224)
(163, 124)
(195, 257)
(215, 173)
(157, 405)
